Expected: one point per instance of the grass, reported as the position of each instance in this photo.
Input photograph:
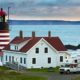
(38, 70)
(7, 74)
(3, 68)
(78, 78)
(20, 77)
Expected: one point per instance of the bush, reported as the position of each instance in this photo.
(56, 69)
(37, 70)
(50, 69)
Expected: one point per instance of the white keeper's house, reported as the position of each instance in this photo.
(36, 52)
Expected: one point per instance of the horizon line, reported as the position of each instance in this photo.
(14, 17)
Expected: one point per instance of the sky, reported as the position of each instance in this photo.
(43, 9)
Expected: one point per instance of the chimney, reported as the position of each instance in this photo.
(49, 33)
(33, 34)
(21, 34)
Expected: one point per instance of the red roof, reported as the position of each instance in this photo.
(55, 42)
(30, 44)
(18, 40)
(2, 13)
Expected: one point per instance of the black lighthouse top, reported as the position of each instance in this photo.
(3, 23)
(2, 12)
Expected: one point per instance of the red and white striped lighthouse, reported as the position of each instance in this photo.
(4, 30)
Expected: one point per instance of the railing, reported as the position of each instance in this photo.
(15, 66)
(4, 26)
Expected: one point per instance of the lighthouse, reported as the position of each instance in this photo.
(4, 30)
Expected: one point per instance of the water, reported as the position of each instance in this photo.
(69, 34)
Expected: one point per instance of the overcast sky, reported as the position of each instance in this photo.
(43, 9)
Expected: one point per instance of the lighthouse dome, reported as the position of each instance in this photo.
(2, 13)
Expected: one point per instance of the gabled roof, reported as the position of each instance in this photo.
(55, 42)
(18, 40)
(30, 44)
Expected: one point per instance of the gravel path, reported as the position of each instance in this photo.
(53, 76)
(58, 76)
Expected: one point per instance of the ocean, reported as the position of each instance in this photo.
(69, 34)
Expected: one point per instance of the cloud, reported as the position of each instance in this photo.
(43, 8)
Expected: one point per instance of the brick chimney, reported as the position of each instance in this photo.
(49, 33)
(21, 34)
(33, 34)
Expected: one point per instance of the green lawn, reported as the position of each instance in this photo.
(6, 74)
(78, 78)
(20, 77)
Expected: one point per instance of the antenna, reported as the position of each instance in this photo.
(8, 16)
(8, 13)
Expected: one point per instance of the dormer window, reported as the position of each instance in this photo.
(16, 47)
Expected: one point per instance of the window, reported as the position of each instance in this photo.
(24, 60)
(49, 60)
(12, 58)
(46, 50)
(1, 58)
(16, 47)
(33, 60)
(61, 58)
(66, 57)
(21, 60)
(75, 61)
(6, 57)
(9, 58)
(1, 19)
(37, 50)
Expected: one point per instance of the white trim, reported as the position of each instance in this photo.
(46, 43)
(64, 52)
(50, 45)
(13, 52)
(4, 43)
(4, 34)
(6, 38)
(2, 47)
